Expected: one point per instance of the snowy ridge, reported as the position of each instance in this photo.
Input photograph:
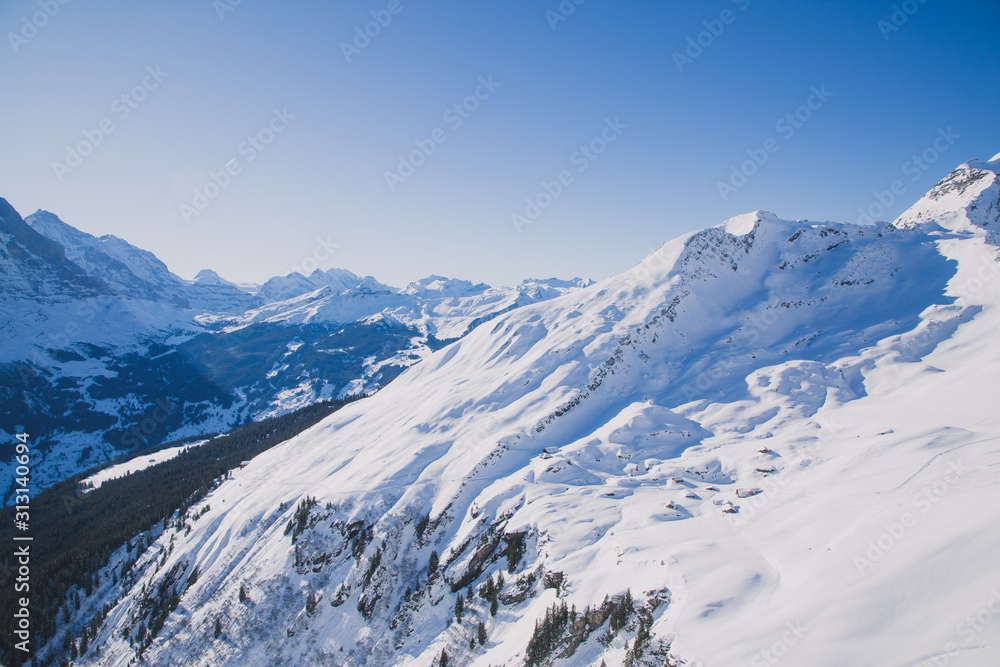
(92, 253)
(445, 308)
(295, 284)
(97, 335)
(35, 268)
(777, 433)
(134, 273)
(968, 200)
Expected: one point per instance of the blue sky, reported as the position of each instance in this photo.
(300, 130)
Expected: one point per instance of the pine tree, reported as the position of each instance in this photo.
(491, 591)
(515, 550)
(547, 635)
(422, 525)
(443, 662)
(243, 593)
(432, 566)
(218, 628)
(84, 642)
(459, 608)
(621, 612)
(642, 638)
(482, 633)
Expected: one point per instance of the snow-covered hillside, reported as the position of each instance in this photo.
(103, 350)
(776, 436)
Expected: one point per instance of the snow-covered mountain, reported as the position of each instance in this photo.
(778, 438)
(448, 309)
(35, 267)
(103, 350)
(135, 273)
(295, 284)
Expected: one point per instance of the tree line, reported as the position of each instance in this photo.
(75, 532)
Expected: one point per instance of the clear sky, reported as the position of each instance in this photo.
(300, 116)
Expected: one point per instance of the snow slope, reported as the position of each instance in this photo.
(97, 335)
(777, 435)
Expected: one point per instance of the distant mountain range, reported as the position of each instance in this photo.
(103, 350)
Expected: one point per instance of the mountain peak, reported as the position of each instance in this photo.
(210, 277)
(34, 265)
(740, 225)
(966, 200)
(439, 286)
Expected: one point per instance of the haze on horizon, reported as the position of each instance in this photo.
(414, 138)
